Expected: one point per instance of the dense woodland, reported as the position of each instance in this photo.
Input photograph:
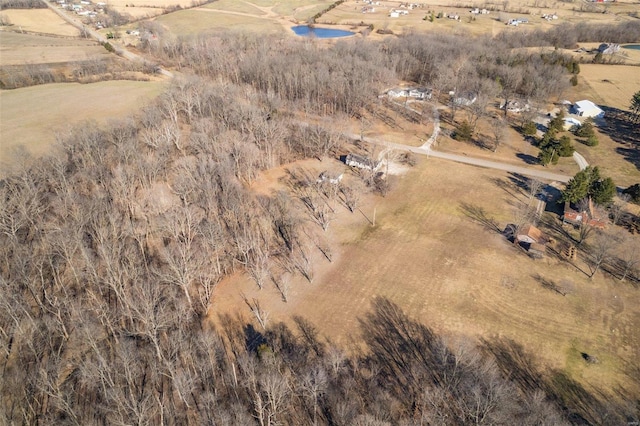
(110, 251)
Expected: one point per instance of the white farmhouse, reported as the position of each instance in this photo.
(587, 109)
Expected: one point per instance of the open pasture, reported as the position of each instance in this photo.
(21, 49)
(31, 116)
(436, 251)
(39, 21)
(201, 21)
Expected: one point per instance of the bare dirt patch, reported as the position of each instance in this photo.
(31, 116)
(458, 275)
(39, 21)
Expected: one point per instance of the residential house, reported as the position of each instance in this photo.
(465, 99)
(515, 106)
(588, 216)
(587, 109)
(332, 178)
(420, 93)
(360, 162)
(398, 93)
(608, 48)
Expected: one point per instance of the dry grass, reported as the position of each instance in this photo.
(31, 116)
(40, 21)
(236, 6)
(350, 12)
(20, 49)
(200, 21)
(613, 85)
(610, 86)
(458, 276)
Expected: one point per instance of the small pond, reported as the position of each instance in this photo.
(632, 46)
(307, 31)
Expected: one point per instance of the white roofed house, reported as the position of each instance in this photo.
(587, 109)
(420, 93)
(360, 162)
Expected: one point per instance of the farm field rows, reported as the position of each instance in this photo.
(31, 116)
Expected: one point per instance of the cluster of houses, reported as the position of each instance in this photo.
(551, 17)
(83, 8)
(420, 93)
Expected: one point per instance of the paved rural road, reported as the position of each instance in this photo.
(525, 171)
(99, 37)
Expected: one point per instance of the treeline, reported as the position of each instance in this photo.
(568, 35)
(87, 71)
(22, 4)
(348, 76)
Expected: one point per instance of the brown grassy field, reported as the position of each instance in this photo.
(39, 21)
(31, 116)
(350, 12)
(458, 275)
(610, 86)
(200, 21)
(20, 49)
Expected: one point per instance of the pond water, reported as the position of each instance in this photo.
(632, 46)
(307, 31)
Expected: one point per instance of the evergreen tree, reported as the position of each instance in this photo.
(635, 106)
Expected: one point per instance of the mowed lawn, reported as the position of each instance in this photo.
(458, 276)
(31, 116)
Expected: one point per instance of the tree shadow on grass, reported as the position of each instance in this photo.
(581, 406)
(529, 159)
(619, 126)
(480, 215)
(632, 155)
